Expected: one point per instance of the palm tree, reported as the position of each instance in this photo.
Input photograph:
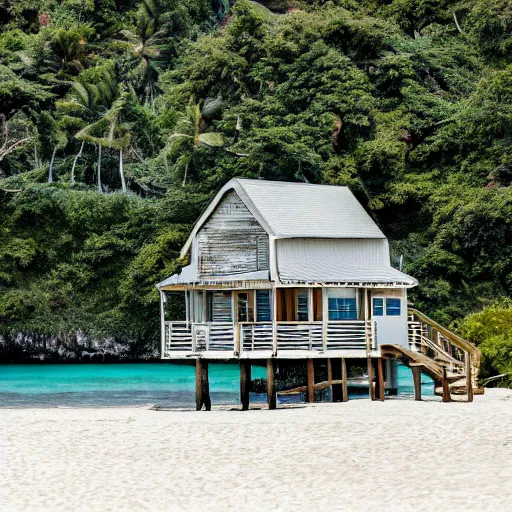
(86, 103)
(144, 44)
(56, 55)
(111, 131)
(188, 137)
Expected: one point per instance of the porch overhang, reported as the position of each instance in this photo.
(188, 279)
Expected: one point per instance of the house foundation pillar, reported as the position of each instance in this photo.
(202, 386)
(245, 383)
(271, 385)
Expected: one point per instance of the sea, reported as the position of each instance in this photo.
(139, 384)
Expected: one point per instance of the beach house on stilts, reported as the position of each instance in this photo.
(293, 271)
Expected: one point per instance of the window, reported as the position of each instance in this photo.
(302, 307)
(263, 306)
(378, 306)
(392, 307)
(342, 308)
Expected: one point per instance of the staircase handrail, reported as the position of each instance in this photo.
(439, 349)
(453, 338)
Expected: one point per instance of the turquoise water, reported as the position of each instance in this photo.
(170, 385)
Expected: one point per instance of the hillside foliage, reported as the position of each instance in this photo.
(121, 118)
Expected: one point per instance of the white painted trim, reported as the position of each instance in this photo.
(311, 310)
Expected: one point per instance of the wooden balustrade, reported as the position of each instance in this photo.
(454, 353)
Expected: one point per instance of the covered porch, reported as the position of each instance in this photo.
(285, 322)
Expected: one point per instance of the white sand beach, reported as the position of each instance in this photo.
(396, 455)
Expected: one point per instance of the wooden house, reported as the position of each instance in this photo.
(282, 270)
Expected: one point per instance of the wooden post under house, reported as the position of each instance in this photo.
(416, 375)
(271, 385)
(245, 383)
(310, 381)
(202, 386)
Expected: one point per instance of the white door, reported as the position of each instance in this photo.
(389, 319)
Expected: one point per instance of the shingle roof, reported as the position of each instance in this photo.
(298, 210)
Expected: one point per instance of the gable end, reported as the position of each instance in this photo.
(231, 241)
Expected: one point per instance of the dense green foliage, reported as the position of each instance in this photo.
(409, 102)
(491, 330)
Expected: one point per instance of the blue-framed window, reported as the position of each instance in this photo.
(393, 307)
(342, 308)
(263, 306)
(378, 306)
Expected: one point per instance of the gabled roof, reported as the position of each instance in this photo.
(298, 210)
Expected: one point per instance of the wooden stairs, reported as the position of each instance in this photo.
(450, 361)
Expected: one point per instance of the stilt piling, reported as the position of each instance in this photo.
(271, 385)
(245, 383)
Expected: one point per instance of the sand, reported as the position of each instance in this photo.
(396, 455)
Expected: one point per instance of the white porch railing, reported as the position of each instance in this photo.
(304, 335)
(346, 334)
(221, 336)
(198, 337)
(257, 336)
(178, 336)
(299, 336)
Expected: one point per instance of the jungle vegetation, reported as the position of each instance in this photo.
(121, 118)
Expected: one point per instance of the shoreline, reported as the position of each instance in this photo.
(358, 455)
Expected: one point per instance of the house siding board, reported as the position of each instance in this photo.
(232, 241)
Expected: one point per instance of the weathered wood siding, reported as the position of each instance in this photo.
(231, 241)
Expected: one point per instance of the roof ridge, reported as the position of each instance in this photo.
(256, 180)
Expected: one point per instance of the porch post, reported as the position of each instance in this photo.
(187, 309)
(274, 319)
(367, 328)
(205, 306)
(162, 324)
(325, 318)
(311, 311)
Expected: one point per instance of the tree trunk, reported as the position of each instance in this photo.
(74, 162)
(50, 173)
(457, 23)
(186, 172)
(121, 170)
(99, 169)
